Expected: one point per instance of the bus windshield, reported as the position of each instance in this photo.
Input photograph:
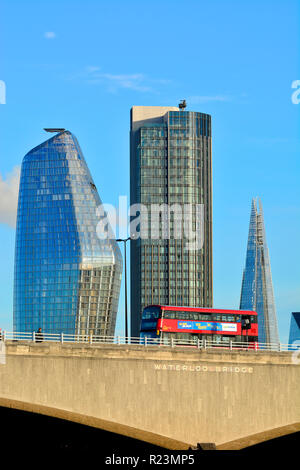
(150, 317)
(151, 313)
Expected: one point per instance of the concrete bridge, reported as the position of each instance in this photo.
(171, 397)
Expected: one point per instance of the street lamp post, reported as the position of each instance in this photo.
(124, 240)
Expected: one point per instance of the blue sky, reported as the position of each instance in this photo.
(82, 65)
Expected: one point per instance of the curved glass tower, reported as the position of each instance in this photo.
(67, 279)
(257, 288)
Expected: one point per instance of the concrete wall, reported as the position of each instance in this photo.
(170, 397)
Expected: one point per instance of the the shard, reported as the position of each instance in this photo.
(67, 276)
(257, 287)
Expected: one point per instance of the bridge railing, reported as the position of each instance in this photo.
(147, 342)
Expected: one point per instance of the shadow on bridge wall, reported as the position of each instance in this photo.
(24, 430)
(104, 425)
(131, 438)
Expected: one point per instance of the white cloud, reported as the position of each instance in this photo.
(92, 68)
(9, 189)
(114, 82)
(49, 35)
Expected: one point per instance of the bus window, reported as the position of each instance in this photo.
(148, 334)
(246, 325)
(202, 316)
(151, 313)
(226, 339)
(227, 317)
(148, 324)
(168, 314)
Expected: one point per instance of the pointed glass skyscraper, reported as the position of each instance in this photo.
(67, 279)
(257, 288)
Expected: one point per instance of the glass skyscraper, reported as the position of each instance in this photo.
(257, 287)
(170, 152)
(67, 279)
(295, 327)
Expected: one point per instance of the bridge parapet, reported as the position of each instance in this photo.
(140, 352)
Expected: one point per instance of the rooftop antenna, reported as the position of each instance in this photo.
(54, 129)
(182, 105)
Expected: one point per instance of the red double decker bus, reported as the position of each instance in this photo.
(190, 324)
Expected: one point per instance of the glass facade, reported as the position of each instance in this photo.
(295, 327)
(257, 287)
(170, 164)
(67, 279)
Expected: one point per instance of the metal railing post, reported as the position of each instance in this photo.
(172, 342)
(198, 343)
(91, 339)
(33, 336)
(145, 340)
(4, 335)
(230, 345)
(61, 337)
(205, 344)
